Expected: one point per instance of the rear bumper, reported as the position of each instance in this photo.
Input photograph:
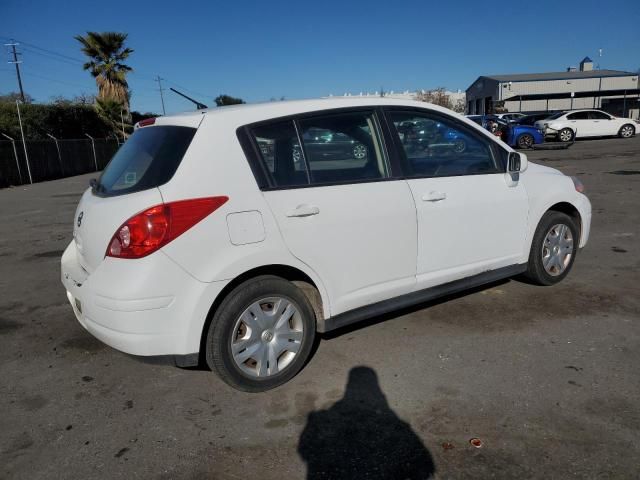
(146, 307)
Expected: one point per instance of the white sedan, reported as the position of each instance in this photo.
(585, 123)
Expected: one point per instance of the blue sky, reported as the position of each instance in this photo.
(266, 49)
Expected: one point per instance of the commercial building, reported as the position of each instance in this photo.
(614, 91)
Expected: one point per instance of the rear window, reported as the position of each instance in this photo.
(148, 159)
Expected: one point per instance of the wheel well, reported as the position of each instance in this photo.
(629, 124)
(295, 276)
(570, 210)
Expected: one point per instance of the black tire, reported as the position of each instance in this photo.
(359, 151)
(536, 271)
(459, 145)
(627, 131)
(566, 135)
(525, 141)
(218, 345)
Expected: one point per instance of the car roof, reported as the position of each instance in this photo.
(253, 112)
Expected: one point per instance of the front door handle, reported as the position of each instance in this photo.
(303, 211)
(434, 196)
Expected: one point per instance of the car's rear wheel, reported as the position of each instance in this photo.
(261, 335)
(565, 135)
(525, 141)
(553, 249)
(359, 151)
(627, 131)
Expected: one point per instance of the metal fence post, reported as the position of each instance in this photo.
(59, 154)
(15, 153)
(24, 143)
(93, 145)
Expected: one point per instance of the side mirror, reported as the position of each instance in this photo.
(518, 162)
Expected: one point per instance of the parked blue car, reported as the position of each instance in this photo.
(418, 135)
(513, 134)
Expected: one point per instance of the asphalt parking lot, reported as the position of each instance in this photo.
(546, 377)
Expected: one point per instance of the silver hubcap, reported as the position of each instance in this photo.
(565, 135)
(627, 131)
(359, 151)
(557, 249)
(267, 336)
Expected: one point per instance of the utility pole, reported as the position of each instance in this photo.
(17, 63)
(159, 80)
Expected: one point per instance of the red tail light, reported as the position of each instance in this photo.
(152, 229)
(146, 122)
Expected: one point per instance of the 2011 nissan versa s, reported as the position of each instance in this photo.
(236, 234)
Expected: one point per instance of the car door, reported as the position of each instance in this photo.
(339, 208)
(581, 124)
(471, 217)
(602, 124)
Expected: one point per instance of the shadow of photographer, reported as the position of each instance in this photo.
(359, 436)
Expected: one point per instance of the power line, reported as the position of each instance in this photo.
(50, 52)
(51, 57)
(60, 57)
(42, 77)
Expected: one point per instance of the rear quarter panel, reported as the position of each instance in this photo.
(216, 165)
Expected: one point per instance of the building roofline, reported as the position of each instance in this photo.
(550, 76)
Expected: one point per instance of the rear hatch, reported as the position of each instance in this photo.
(129, 184)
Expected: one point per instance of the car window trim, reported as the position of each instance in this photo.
(495, 149)
(263, 177)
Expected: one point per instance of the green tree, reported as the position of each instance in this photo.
(11, 97)
(107, 52)
(222, 100)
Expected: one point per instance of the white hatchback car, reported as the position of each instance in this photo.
(234, 235)
(585, 123)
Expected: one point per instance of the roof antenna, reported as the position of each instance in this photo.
(199, 106)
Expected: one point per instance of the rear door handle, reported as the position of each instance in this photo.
(303, 211)
(434, 196)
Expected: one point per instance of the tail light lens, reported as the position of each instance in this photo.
(152, 229)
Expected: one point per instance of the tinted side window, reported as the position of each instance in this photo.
(578, 116)
(436, 147)
(343, 147)
(281, 153)
(598, 116)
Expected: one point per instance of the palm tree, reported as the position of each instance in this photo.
(106, 52)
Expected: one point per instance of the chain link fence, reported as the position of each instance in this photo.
(52, 159)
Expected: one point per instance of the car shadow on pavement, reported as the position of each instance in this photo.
(360, 436)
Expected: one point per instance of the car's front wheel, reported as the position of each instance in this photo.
(459, 146)
(565, 135)
(627, 131)
(553, 249)
(261, 335)
(525, 141)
